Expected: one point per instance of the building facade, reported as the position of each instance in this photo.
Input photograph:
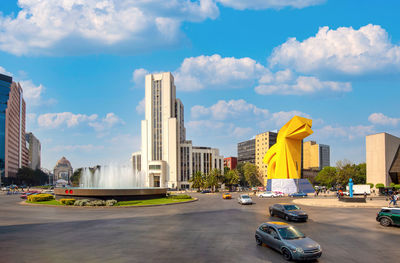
(383, 159)
(167, 158)
(34, 151)
(13, 152)
(263, 142)
(230, 162)
(315, 156)
(63, 170)
(247, 151)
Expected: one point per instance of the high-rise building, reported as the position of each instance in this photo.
(263, 142)
(13, 152)
(167, 158)
(230, 162)
(34, 151)
(247, 151)
(315, 156)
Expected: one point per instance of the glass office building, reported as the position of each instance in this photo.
(5, 84)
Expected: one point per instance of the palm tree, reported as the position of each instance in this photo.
(231, 178)
(197, 180)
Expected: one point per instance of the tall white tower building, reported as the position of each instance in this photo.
(167, 158)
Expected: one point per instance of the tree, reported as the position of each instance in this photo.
(197, 180)
(347, 170)
(251, 174)
(327, 176)
(26, 175)
(242, 178)
(211, 181)
(76, 177)
(231, 178)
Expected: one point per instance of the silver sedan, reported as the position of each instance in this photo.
(288, 240)
(245, 200)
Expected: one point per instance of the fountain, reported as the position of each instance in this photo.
(119, 182)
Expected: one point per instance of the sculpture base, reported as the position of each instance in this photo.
(352, 199)
(290, 186)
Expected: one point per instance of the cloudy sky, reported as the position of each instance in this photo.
(241, 68)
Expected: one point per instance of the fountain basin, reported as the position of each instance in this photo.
(107, 194)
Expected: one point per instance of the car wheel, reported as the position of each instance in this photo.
(271, 212)
(258, 241)
(385, 221)
(286, 254)
(287, 218)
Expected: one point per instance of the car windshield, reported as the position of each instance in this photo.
(267, 192)
(245, 197)
(290, 233)
(291, 207)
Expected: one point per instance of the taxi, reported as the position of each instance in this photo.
(226, 196)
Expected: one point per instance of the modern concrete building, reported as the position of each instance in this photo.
(230, 162)
(315, 156)
(167, 158)
(247, 151)
(62, 170)
(34, 151)
(13, 151)
(263, 142)
(383, 159)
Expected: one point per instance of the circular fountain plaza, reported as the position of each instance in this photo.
(119, 182)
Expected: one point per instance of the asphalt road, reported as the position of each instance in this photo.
(209, 230)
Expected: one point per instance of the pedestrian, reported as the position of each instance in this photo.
(365, 195)
(395, 198)
(391, 198)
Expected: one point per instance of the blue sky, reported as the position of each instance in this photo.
(241, 68)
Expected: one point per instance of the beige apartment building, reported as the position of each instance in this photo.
(315, 156)
(383, 158)
(263, 142)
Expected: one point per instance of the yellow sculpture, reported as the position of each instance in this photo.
(284, 157)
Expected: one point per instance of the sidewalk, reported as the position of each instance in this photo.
(334, 202)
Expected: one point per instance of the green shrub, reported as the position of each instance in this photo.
(111, 202)
(370, 185)
(392, 184)
(397, 186)
(379, 185)
(40, 197)
(97, 203)
(67, 201)
(179, 197)
(82, 202)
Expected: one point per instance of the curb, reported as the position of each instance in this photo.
(106, 207)
(337, 205)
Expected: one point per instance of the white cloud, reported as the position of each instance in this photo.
(5, 72)
(216, 72)
(32, 93)
(282, 117)
(228, 109)
(55, 120)
(344, 50)
(241, 131)
(138, 77)
(106, 123)
(196, 73)
(72, 148)
(141, 107)
(86, 25)
(350, 132)
(264, 4)
(381, 119)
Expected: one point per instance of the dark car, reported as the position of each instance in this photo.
(289, 212)
(389, 216)
(288, 240)
(299, 194)
(205, 191)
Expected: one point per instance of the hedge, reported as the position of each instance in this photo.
(67, 201)
(379, 185)
(397, 186)
(179, 197)
(40, 197)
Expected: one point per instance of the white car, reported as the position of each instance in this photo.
(245, 200)
(269, 194)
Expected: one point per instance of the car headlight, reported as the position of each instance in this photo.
(319, 247)
(299, 249)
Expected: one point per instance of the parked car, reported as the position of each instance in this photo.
(298, 194)
(245, 200)
(289, 212)
(389, 216)
(25, 195)
(226, 196)
(205, 191)
(287, 240)
(267, 194)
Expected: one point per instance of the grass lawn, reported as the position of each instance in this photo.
(51, 202)
(156, 201)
